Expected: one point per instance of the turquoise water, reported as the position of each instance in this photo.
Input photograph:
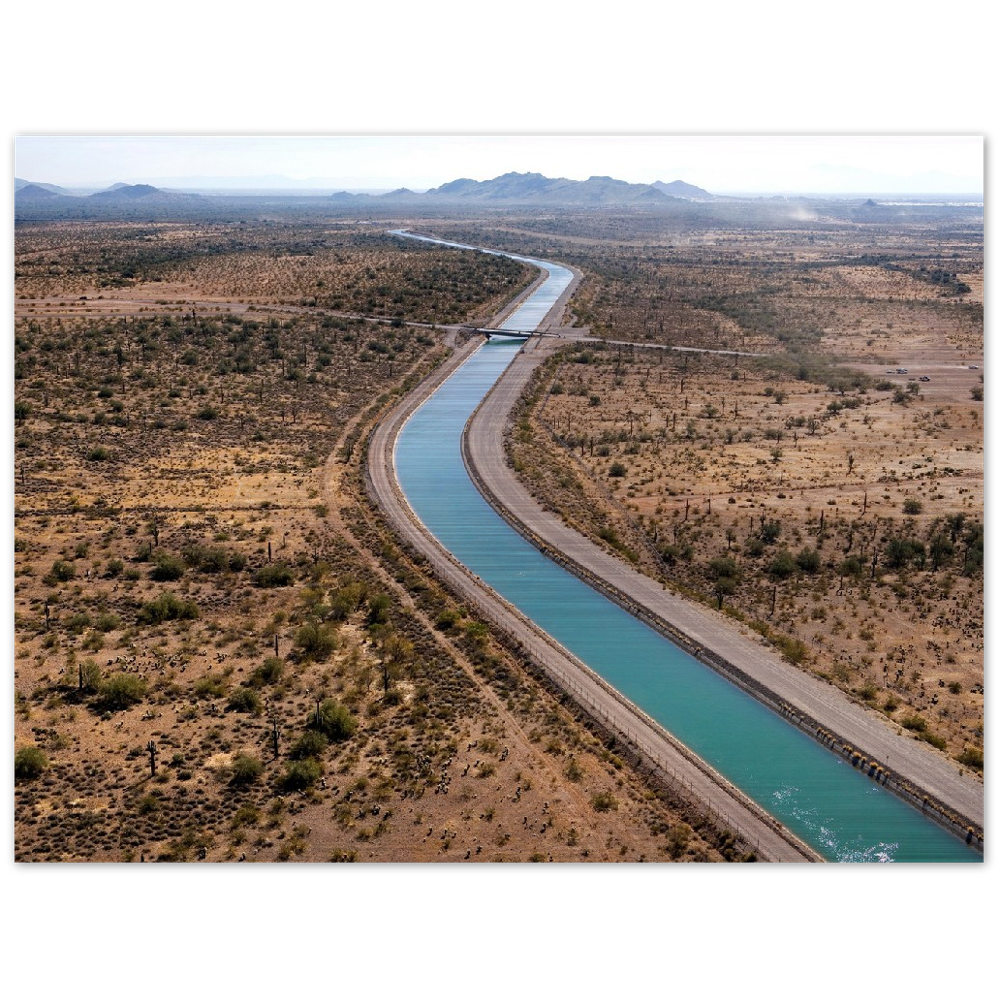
(822, 798)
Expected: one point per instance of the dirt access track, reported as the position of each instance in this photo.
(909, 767)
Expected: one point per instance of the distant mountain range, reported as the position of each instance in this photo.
(36, 192)
(681, 189)
(119, 192)
(20, 185)
(536, 189)
(678, 200)
(510, 188)
(26, 192)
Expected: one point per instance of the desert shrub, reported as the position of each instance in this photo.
(210, 686)
(678, 838)
(62, 571)
(29, 763)
(98, 454)
(120, 691)
(269, 672)
(107, 622)
(617, 470)
(808, 560)
(477, 632)
(782, 565)
(974, 538)
(246, 815)
(245, 769)
(312, 743)
(795, 649)
(334, 721)
(912, 506)
(378, 609)
(316, 641)
(769, 531)
(274, 575)
(447, 620)
(167, 568)
(301, 774)
(148, 805)
(89, 676)
(113, 568)
(851, 567)
(166, 607)
(674, 553)
(724, 566)
(915, 723)
(346, 600)
(941, 550)
(723, 587)
(900, 552)
(609, 535)
(245, 699)
(213, 559)
(93, 642)
(78, 622)
(604, 802)
(972, 757)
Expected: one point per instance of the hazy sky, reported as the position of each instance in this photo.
(781, 163)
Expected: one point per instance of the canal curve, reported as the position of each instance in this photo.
(820, 797)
